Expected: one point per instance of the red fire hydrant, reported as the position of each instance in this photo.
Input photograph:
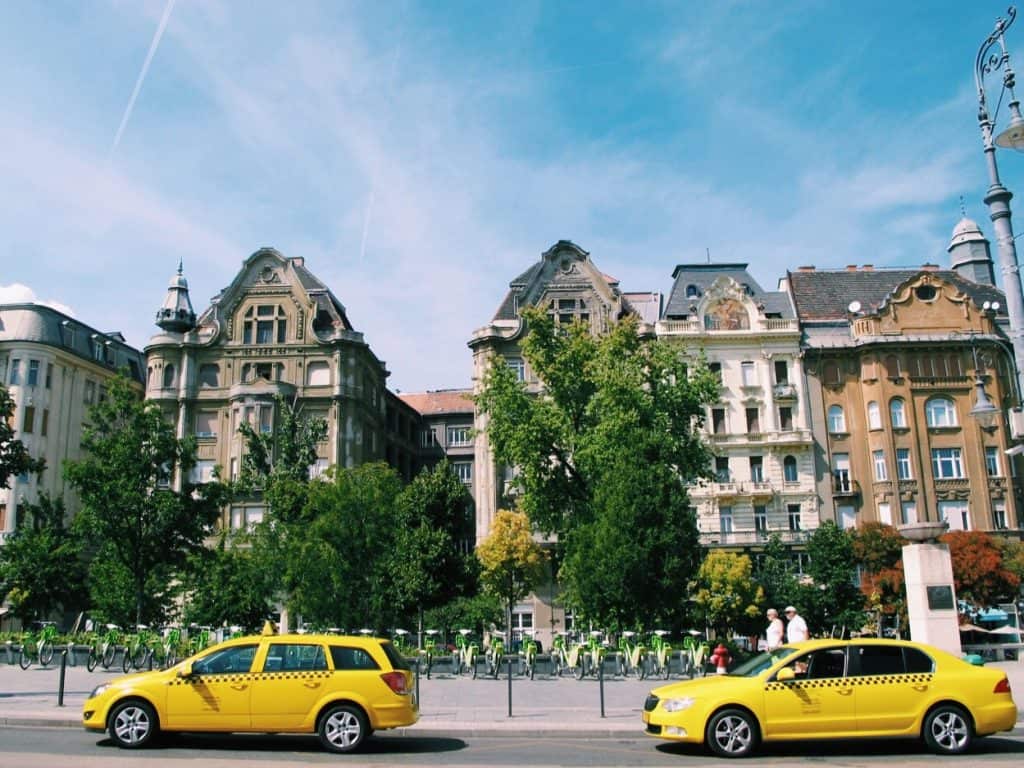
(721, 659)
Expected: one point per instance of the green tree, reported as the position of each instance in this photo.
(41, 567)
(832, 599)
(618, 414)
(227, 584)
(511, 561)
(14, 456)
(776, 574)
(338, 572)
(726, 594)
(131, 513)
(429, 565)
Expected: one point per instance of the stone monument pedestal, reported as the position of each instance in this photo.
(931, 597)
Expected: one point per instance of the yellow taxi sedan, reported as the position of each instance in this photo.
(830, 689)
(341, 688)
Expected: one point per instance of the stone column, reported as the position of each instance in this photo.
(931, 597)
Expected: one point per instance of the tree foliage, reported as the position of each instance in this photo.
(978, 570)
(725, 592)
(832, 599)
(511, 561)
(41, 567)
(603, 455)
(776, 574)
(131, 514)
(14, 456)
(227, 585)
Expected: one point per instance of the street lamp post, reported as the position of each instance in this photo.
(998, 197)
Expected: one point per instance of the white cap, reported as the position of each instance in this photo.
(790, 608)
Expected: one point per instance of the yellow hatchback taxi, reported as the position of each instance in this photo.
(341, 688)
(830, 689)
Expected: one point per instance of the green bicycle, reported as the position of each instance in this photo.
(495, 653)
(38, 647)
(528, 654)
(559, 654)
(465, 653)
(661, 654)
(632, 656)
(430, 648)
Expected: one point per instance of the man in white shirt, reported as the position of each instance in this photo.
(773, 635)
(796, 628)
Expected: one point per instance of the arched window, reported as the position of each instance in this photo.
(318, 374)
(892, 366)
(898, 413)
(168, 375)
(940, 412)
(692, 291)
(789, 469)
(874, 416)
(836, 419)
(209, 375)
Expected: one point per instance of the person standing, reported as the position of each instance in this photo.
(773, 634)
(796, 627)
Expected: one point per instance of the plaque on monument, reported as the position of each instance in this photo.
(940, 598)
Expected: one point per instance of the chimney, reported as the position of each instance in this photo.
(851, 267)
(805, 269)
(868, 267)
(929, 267)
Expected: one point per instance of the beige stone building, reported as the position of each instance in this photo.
(895, 360)
(55, 367)
(276, 330)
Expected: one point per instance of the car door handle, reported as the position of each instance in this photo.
(239, 686)
(844, 691)
(920, 687)
(311, 684)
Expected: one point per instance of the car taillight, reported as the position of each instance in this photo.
(1003, 686)
(395, 681)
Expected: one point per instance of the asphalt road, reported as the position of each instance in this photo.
(39, 747)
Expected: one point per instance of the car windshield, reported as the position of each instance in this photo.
(758, 664)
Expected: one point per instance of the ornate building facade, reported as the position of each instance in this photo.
(55, 367)
(759, 428)
(896, 359)
(276, 330)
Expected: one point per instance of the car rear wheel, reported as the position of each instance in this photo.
(731, 733)
(132, 724)
(343, 728)
(948, 730)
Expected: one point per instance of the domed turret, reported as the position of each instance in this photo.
(176, 315)
(969, 253)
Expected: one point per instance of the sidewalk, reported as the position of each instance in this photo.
(449, 706)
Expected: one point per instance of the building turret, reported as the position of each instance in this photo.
(969, 253)
(176, 315)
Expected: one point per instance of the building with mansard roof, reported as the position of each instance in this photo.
(896, 360)
(54, 367)
(276, 330)
(759, 426)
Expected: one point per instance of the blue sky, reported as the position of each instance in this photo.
(420, 155)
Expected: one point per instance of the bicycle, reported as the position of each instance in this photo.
(465, 653)
(662, 654)
(138, 650)
(494, 654)
(429, 648)
(592, 658)
(632, 656)
(38, 648)
(694, 651)
(528, 654)
(103, 648)
(200, 640)
(577, 659)
(559, 655)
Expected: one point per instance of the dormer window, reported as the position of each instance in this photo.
(565, 311)
(265, 324)
(692, 291)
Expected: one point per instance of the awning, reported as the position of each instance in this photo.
(972, 628)
(1007, 630)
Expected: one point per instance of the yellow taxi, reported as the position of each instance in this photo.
(341, 688)
(829, 689)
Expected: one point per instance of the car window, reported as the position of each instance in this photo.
(345, 657)
(397, 660)
(879, 660)
(234, 660)
(287, 657)
(823, 663)
(758, 664)
(918, 661)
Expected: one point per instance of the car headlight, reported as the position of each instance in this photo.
(98, 690)
(678, 705)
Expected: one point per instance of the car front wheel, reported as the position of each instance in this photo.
(947, 730)
(731, 733)
(132, 724)
(343, 728)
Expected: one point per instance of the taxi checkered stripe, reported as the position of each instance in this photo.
(845, 682)
(252, 677)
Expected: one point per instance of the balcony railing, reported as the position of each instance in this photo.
(844, 485)
(747, 538)
(784, 392)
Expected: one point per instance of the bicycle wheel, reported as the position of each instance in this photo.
(92, 661)
(126, 660)
(472, 666)
(532, 667)
(45, 653)
(27, 656)
(665, 667)
(109, 652)
(580, 670)
(640, 670)
(140, 659)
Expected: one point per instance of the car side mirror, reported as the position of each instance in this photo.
(186, 669)
(785, 675)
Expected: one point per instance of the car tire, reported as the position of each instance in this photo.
(132, 724)
(948, 730)
(731, 733)
(343, 728)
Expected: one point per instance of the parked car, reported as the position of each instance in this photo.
(341, 688)
(824, 689)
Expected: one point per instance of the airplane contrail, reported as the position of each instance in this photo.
(142, 75)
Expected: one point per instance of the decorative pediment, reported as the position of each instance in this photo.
(726, 306)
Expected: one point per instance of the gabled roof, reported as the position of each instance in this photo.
(439, 402)
(823, 295)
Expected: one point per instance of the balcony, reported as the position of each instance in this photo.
(696, 327)
(843, 485)
(749, 538)
(784, 392)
